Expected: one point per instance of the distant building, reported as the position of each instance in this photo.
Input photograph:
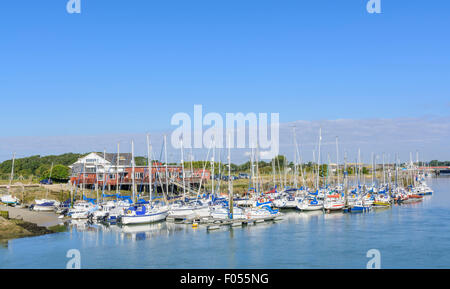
(98, 169)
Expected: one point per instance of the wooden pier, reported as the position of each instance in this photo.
(213, 224)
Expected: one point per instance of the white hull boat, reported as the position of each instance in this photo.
(144, 216)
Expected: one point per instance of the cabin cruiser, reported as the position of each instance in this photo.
(423, 189)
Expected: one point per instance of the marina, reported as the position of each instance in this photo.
(299, 240)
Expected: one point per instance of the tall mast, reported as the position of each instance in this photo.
(295, 160)
(182, 167)
(257, 168)
(328, 169)
(104, 173)
(84, 179)
(212, 167)
(313, 168)
(11, 177)
(318, 159)
(150, 173)
(132, 170)
(252, 175)
(359, 166)
(273, 172)
(345, 180)
(96, 180)
(192, 169)
(373, 171)
(165, 156)
(117, 168)
(230, 186)
(337, 160)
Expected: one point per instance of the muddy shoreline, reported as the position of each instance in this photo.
(25, 223)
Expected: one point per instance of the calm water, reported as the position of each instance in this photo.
(408, 236)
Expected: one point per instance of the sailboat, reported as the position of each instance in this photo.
(9, 199)
(198, 207)
(313, 202)
(144, 213)
(46, 204)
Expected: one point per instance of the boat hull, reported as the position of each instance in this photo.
(150, 218)
(41, 208)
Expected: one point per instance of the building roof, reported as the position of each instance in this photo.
(125, 158)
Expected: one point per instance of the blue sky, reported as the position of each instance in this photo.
(127, 66)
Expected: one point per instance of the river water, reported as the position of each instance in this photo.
(407, 236)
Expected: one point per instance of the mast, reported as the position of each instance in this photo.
(165, 156)
(359, 166)
(373, 170)
(251, 169)
(345, 180)
(318, 159)
(117, 168)
(313, 168)
(295, 160)
(182, 167)
(257, 168)
(104, 173)
(273, 172)
(96, 181)
(150, 173)
(132, 170)
(230, 186)
(84, 179)
(11, 177)
(328, 169)
(212, 168)
(337, 160)
(192, 169)
(50, 177)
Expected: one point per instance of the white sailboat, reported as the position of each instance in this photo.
(45, 204)
(9, 199)
(145, 213)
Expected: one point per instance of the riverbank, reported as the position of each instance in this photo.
(42, 219)
(25, 223)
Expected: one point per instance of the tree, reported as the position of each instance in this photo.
(280, 160)
(59, 173)
(365, 171)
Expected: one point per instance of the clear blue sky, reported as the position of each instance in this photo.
(127, 66)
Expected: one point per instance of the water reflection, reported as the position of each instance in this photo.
(137, 232)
